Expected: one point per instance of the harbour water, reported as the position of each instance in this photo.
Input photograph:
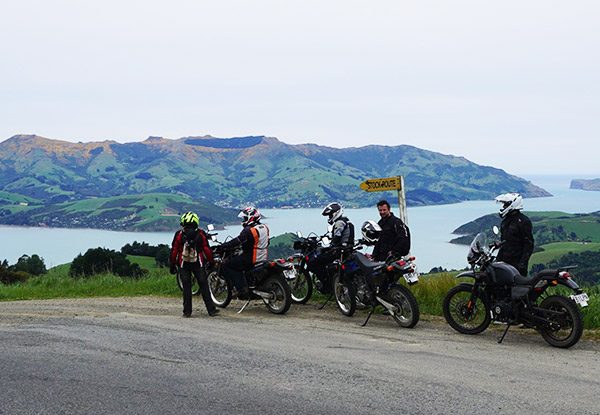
(431, 227)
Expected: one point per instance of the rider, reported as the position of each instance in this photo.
(342, 237)
(254, 240)
(189, 252)
(395, 236)
(516, 233)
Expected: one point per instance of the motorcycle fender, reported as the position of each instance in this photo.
(467, 274)
(563, 281)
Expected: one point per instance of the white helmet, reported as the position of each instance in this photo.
(334, 211)
(370, 231)
(510, 202)
(250, 216)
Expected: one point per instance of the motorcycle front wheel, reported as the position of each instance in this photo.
(407, 308)
(345, 296)
(281, 299)
(301, 287)
(569, 323)
(461, 317)
(195, 284)
(220, 289)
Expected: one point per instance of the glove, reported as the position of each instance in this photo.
(173, 269)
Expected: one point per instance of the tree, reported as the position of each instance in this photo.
(99, 260)
(33, 265)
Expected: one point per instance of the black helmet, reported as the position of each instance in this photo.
(370, 231)
(334, 211)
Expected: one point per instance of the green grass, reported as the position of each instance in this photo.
(57, 284)
(557, 249)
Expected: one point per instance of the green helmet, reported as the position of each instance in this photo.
(190, 218)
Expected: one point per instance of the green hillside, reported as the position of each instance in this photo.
(146, 212)
(232, 172)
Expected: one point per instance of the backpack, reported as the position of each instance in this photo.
(189, 238)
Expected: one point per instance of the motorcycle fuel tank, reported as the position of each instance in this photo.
(503, 273)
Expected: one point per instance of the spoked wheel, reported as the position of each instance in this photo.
(301, 287)
(220, 289)
(568, 324)
(281, 299)
(462, 316)
(406, 313)
(345, 296)
(195, 284)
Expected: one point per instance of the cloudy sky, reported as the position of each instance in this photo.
(514, 84)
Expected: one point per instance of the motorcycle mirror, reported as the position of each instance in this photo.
(495, 230)
(325, 240)
(299, 234)
(210, 227)
(213, 238)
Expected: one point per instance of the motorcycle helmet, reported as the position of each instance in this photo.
(334, 211)
(370, 231)
(510, 202)
(190, 219)
(250, 216)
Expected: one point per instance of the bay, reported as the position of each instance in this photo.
(431, 227)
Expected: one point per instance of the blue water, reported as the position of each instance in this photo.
(431, 227)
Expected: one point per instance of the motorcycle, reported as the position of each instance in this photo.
(301, 281)
(266, 281)
(501, 294)
(362, 281)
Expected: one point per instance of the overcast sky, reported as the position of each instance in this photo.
(514, 84)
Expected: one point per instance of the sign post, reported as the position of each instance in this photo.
(389, 183)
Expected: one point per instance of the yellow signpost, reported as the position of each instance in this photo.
(389, 183)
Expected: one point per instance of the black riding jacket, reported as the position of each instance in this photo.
(394, 237)
(517, 238)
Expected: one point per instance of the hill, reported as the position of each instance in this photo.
(548, 227)
(154, 212)
(582, 184)
(231, 172)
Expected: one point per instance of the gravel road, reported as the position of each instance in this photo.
(138, 356)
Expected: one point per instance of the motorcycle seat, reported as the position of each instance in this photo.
(367, 265)
(546, 273)
(521, 280)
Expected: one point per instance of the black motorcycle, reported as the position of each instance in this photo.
(501, 294)
(266, 282)
(303, 282)
(362, 281)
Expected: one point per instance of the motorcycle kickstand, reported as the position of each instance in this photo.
(326, 301)
(368, 317)
(504, 334)
(244, 306)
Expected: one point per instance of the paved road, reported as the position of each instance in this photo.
(137, 356)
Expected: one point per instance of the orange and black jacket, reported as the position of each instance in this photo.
(204, 253)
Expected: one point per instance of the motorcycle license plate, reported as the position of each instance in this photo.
(580, 299)
(289, 274)
(412, 277)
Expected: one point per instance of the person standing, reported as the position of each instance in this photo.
(515, 233)
(189, 252)
(394, 238)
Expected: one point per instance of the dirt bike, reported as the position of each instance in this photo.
(301, 281)
(501, 294)
(266, 282)
(362, 281)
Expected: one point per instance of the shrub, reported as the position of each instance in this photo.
(100, 260)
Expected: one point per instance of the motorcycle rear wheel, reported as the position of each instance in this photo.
(459, 316)
(281, 299)
(407, 308)
(301, 287)
(220, 289)
(195, 284)
(345, 296)
(571, 322)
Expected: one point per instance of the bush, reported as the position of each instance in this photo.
(100, 260)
